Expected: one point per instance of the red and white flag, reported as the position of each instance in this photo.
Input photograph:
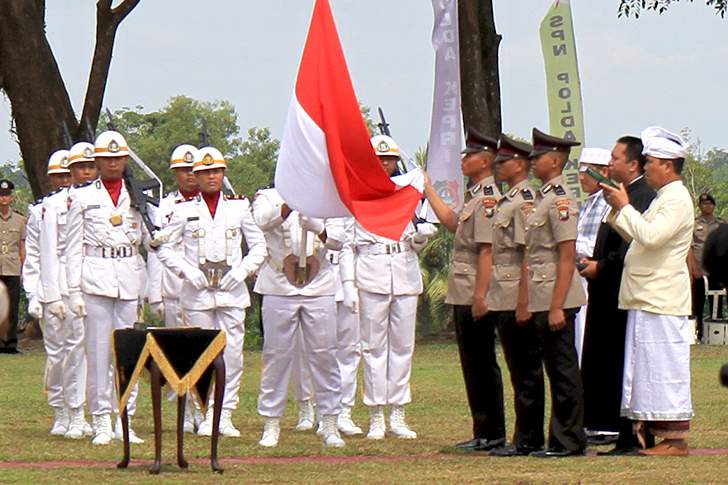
(326, 166)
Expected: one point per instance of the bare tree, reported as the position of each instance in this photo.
(30, 77)
(480, 78)
(634, 7)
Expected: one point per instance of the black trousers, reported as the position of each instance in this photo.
(522, 349)
(566, 429)
(13, 285)
(699, 302)
(482, 375)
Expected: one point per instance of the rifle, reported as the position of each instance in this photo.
(138, 189)
(227, 187)
(383, 125)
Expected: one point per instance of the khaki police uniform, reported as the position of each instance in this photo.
(12, 233)
(552, 221)
(703, 227)
(476, 339)
(520, 341)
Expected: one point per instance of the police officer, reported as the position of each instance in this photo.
(61, 321)
(12, 255)
(57, 389)
(212, 227)
(387, 275)
(508, 298)
(470, 270)
(554, 291)
(164, 287)
(105, 274)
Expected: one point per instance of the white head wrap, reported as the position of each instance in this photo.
(595, 156)
(660, 143)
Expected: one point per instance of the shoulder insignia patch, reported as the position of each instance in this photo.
(562, 207)
(489, 204)
(235, 197)
(98, 184)
(527, 194)
(559, 190)
(182, 199)
(488, 190)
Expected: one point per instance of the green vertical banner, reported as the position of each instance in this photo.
(563, 87)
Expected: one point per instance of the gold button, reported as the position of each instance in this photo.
(508, 275)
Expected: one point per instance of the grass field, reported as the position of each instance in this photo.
(439, 414)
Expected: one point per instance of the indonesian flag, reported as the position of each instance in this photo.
(326, 166)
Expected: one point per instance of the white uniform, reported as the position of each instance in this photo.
(103, 262)
(70, 331)
(162, 284)
(216, 240)
(52, 340)
(288, 310)
(387, 274)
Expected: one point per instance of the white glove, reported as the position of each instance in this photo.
(57, 309)
(196, 277)
(425, 230)
(157, 308)
(233, 278)
(35, 309)
(312, 224)
(351, 296)
(76, 303)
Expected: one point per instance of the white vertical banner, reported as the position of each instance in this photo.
(446, 130)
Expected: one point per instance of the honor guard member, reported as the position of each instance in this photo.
(12, 255)
(212, 228)
(470, 270)
(105, 275)
(555, 292)
(297, 306)
(56, 390)
(508, 298)
(67, 325)
(387, 275)
(163, 286)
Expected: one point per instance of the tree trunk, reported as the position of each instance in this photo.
(479, 72)
(33, 83)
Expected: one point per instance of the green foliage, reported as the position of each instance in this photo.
(706, 171)
(433, 315)
(634, 8)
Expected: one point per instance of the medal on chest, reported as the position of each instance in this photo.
(116, 220)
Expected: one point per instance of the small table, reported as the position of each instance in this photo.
(187, 359)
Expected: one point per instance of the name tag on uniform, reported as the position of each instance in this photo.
(194, 218)
(90, 207)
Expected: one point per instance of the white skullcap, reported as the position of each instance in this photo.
(595, 156)
(660, 143)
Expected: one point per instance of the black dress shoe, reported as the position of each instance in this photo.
(622, 451)
(513, 450)
(471, 445)
(556, 453)
(487, 445)
(9, 350)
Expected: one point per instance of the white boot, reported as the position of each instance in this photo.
(306, 416)
(60, 422)
(330, 433)
(134, 439)
(76, 425)
(102, 429)
(397, 425)
(376, 423)
(271, 432)
(226, 425)
(189, 423)
(345, 424)
(205, 427)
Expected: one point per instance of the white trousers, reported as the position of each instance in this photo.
(65, 371)
(284, 317)
(388, 340)
(301, 373)
(232, 322)
(348, 353)
(172, 313)
(104, 315)
(656, 382)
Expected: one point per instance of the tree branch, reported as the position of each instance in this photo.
(107, 23)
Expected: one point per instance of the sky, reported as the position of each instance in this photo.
(665, 69)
